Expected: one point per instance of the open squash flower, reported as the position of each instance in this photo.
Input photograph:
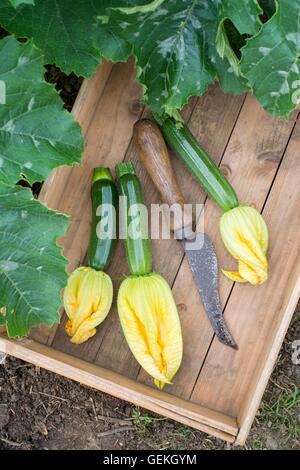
(245, 235)
(151, 325)
(87, 301)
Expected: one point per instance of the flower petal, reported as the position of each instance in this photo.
(151, 325)
(87, 301)
(245, 235)
(233, 276)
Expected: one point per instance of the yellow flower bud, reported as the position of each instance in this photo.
(87, 301)
(245, 235)
(151, 325)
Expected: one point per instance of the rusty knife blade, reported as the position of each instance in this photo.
(204, 266)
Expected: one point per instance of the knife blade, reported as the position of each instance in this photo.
(203, 263)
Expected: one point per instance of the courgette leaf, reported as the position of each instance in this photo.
(180, 46)
(244, 14)
(16, 3)
(270, 60)
(36, 133)
(66, 31)
(171, 46)
(175, 48)
(229, 81)
(32, 269)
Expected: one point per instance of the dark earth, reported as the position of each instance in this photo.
(41, 410)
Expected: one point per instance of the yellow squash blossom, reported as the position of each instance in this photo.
(245, 235)
(151, 325)
(87, 301)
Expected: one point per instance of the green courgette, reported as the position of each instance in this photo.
(103, 230)
(137, 243)
(204, 170)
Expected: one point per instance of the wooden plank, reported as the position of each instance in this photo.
(250, 162)
(259, 315)
(168, 254)
(114, 384)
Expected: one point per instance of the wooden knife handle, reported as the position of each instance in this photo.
(155, 157)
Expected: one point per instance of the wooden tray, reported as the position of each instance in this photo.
(217, 389)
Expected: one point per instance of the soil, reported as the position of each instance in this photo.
(41, 410)
(67, 85)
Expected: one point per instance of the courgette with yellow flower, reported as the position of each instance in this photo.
(146, 307)
(89, 291)
(243, 229)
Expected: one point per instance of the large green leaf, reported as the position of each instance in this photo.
(16, 3)
(175, 47)
(185, 31)
(66, 31)
(36, 133)
(32, 270)
(181, 46)
(229, 80)
(244, 14)
(244, 19)
(171, 45)
(270, 60)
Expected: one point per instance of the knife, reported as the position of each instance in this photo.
(154, 155)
